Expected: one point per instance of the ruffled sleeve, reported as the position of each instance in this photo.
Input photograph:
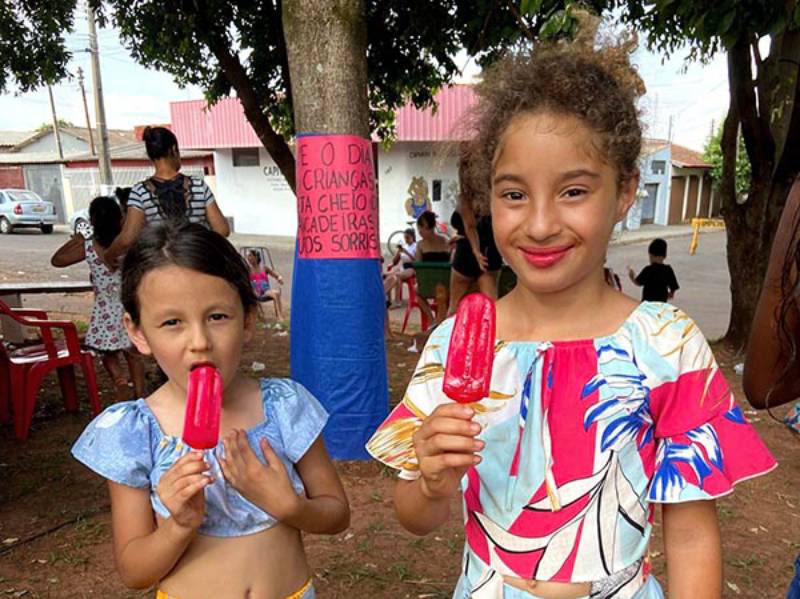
(116, 445)
(392, 444)
(299, 415)
(704, 445)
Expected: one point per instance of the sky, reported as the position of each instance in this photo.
(694, 95)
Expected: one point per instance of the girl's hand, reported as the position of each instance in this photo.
(280, 279)
(181, 490)
(445, 445)
(268, 486)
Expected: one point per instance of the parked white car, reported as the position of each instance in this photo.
(24, 208)
(79, 223)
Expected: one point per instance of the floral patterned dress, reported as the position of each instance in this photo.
(583, 438)
(106, 332)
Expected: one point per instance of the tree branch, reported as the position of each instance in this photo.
(274, 143)
(728, 146)
(523, 26)
(755, 127)
(756, 53)
(478, 45)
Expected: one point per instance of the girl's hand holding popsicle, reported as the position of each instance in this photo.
(446, 448)
(445, 444)
(181, 490)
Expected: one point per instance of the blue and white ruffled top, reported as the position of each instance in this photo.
(125, 444)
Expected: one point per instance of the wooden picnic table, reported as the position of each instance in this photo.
(11, 294)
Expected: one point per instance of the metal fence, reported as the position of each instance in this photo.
(84, 183)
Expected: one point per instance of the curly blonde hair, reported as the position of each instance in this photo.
(596, 85)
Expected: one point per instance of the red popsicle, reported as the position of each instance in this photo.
(203, 405)
(468, 372)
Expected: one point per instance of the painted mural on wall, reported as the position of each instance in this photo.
(419, 199)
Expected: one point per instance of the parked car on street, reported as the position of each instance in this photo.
(24, 208)
(79, 223)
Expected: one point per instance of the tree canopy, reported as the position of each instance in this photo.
(32, 49)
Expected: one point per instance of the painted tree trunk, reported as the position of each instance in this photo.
(337, 344)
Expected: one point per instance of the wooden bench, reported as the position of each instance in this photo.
(11, 294)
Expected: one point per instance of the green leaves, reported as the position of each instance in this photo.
(32, 49)
(712, 153)
(530, 7)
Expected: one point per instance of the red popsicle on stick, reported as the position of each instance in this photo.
(203, 406)
(468, 372)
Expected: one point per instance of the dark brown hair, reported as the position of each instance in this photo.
(189, 246)
(597, 86)
(159, 142)
(106, 219)
(427, 218)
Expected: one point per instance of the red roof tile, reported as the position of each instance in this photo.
(686, 158)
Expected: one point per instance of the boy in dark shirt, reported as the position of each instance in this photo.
(657, 280)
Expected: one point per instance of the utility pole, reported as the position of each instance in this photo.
(56, 132)
(671, 118)
(86, 111)
(104, 160)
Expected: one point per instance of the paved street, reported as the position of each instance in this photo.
(703, 278)
(25, 255)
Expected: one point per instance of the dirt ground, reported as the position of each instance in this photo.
(55, 536)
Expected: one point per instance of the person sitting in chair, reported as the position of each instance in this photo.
(259, 279)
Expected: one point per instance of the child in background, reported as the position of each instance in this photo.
(657, 279)
(259, 279)
(771, 369)
(402, 267)
(224, 522)
(106, 333)
(600, 407)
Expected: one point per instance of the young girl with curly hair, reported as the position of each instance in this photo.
(600, 408)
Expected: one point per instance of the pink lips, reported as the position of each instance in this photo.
(545, 257)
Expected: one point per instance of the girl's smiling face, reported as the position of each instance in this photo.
(188, 317)
(554, 202)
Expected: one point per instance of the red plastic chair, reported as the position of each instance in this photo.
(22, 369)
(413, 302)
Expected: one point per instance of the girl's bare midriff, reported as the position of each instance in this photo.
(550, 590)
(266, 565)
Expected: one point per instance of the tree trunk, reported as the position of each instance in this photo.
(337, 329)
(748, 253)
(774, 160)
(326, 42)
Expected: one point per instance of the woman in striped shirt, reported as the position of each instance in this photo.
(167, 197)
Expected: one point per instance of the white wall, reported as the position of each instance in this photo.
(257, 197)
(396, 169)
(663, 181)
